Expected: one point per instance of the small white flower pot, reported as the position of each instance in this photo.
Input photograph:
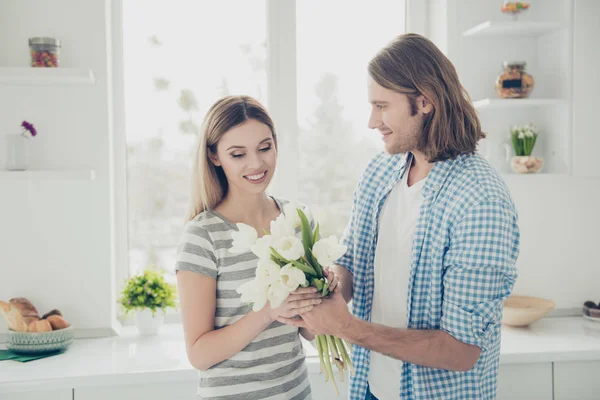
(527, 164)
(147, 324)
(17, 153)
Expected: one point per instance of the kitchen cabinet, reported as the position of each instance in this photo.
(577, 380)
(525, 381)
(62, 394)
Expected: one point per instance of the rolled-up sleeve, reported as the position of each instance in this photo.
(480, 272)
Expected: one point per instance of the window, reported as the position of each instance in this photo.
(181, 56)
(178, 59)
(335, 42)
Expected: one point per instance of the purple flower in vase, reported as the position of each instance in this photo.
(29, 130)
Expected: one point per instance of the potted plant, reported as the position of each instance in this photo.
(144, 295)
(523, 140)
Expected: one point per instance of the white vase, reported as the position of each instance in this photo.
(17, 153)
(148, 324)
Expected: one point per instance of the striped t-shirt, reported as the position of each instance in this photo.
(273, 365)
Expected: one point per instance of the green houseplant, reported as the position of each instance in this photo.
(523, 139)
(145, 294)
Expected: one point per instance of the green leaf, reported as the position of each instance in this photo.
(307, 269)
(279, 256)
(316, 235)
(317, 266)
(325, 290)
(318, 283)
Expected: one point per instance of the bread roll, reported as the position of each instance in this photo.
(40, 325)
(57, 322)
(53, 312)
(13, 317)
(25, 307)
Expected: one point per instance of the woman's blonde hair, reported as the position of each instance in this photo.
(209, 183)
(413, 65)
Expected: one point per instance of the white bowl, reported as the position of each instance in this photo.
(524, 310)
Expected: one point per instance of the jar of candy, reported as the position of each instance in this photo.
(44, 52)
(514, 82)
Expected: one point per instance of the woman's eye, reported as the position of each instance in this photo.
(266, 148)
(237, 155)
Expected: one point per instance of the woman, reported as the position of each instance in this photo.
(238, 352)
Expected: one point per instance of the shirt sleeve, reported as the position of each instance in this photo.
(347, 260)
(196, 252)
(480, 273)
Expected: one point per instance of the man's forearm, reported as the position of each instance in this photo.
(345, 278)
(429, 348)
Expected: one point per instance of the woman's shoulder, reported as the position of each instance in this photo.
(208, 221)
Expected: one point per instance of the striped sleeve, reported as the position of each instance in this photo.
(196, 252)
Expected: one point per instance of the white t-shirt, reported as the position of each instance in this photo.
(393, 255)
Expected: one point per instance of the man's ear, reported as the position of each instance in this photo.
(424, 105)
(214, 159)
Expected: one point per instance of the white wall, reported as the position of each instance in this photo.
(55, 237)
(559, 215)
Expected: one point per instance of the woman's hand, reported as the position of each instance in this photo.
(332, 279)
(298, 302)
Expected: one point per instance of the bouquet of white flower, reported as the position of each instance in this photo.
(523, 138)
(285, 263)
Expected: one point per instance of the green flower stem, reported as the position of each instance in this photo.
(328, 364)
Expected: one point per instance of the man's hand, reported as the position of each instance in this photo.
(330, 317)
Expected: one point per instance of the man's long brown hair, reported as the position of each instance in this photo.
(413, 65)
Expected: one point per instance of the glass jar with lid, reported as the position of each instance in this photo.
(44, 52)
(514, 82)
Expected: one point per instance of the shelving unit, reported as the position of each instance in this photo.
(46, 76)
(542, 37)
(49, 175)
(486, 104)
(513, 28)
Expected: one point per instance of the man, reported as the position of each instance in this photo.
(432, 241)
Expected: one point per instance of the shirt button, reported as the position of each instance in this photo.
(436, 187)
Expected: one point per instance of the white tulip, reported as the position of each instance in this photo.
(254, 292)
(289, 247)
(291, 213)
(262, 247)
(243, 239)
(292, 277)
(282, 227)
(277, 294)
(267, 272)
(328, 250)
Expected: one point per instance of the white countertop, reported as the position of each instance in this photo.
(132, 359)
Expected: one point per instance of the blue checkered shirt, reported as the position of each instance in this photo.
(465, 247)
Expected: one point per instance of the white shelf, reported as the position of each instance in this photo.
(514, 28)
(486, 104)
(46, 76)
(49, 175)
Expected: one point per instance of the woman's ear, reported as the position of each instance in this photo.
(424, 105)
(214, 159)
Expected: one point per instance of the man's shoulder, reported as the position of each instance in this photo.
(474, 181)
(381, 164)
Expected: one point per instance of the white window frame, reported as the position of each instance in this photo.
(281, 85)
